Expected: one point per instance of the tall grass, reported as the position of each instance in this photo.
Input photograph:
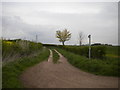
(12, 70)
(95, 66)
(20, 48)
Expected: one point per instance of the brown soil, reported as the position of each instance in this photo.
(63, 75)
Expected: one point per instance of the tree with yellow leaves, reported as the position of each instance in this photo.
(63, 36)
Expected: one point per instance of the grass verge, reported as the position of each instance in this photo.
(12, 70)
(95, 66)
(55, 56)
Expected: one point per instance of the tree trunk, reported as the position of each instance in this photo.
(63, 43)
(80, 43)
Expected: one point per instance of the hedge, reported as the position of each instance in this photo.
(96, 51)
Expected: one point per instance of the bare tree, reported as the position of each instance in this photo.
(81, 37)
(63, 36)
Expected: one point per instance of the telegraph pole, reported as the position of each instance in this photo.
(36, 38)
(89, 36)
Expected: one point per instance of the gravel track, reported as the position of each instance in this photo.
(63, 75)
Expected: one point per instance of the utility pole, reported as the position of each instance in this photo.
(37, 41)
(89, 36)
(36, 38)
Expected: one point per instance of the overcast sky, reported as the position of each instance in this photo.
(25, 20)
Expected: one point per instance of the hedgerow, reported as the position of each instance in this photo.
(96, 51)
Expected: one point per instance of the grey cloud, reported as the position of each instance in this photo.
(14, 27)
(102, 26)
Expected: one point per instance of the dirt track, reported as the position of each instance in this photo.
(63, 75)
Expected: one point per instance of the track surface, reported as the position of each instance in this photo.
(63, 75)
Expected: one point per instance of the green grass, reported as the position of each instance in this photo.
(95, 66)
(55, 56)
(112, 52)
(12, 70)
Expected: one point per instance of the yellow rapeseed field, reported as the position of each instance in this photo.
(8, 42)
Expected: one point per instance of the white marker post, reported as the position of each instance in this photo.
(89, 36)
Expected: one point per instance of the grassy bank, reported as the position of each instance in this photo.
(55, 56)
(12, 70)
(95, 66)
